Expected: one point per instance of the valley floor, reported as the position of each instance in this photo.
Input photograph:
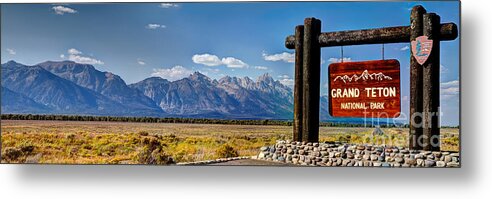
(70, 142)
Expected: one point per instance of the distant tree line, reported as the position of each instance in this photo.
(143, 119)
(182, 120)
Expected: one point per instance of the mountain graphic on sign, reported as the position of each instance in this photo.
(365, 76)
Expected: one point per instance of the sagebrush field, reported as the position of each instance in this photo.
(70, 142)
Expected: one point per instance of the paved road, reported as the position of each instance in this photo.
(250, 162)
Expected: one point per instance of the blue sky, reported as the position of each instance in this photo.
(140, 40)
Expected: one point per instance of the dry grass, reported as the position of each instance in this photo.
(151, 143)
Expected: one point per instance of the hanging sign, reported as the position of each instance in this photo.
(369, 89)
(421, 49)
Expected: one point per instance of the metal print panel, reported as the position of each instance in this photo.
(231, 83)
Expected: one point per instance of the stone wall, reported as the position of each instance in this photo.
(339, 154)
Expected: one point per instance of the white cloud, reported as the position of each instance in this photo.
(214, 60)
(76, 56)
(450, 91)
(207, 71)
(338, 60)
(168, 5)
(207, 59)
(261, 67)
(11, 51)
(232, 62)
(454, 83)
(285, 57)
(141, 62)
(451, 88)
(73, 51)
(283, 76)
(154, 26)
(404, 48)
(288, 82)
(84, 60)
(62, 56)
(61, 10)
(172, 74)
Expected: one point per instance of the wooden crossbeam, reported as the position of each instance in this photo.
(398, 34)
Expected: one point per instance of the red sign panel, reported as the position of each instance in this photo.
(369, 89)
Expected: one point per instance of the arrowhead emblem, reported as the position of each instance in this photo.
(421, 49)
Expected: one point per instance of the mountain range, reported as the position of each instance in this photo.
(71, 88)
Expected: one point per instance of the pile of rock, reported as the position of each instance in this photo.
(339, 154)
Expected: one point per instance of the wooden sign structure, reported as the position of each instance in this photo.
(369, 89)
(424, 78)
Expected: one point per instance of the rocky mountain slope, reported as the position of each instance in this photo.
(72, 88)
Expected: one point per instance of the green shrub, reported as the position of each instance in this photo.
(226, 151)
(143, 133)
(70, 136)
(152, 152)
(12, 153)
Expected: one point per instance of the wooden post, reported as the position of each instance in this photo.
(416, 82)
(311, 80)
(298, 87)
(431, 84)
